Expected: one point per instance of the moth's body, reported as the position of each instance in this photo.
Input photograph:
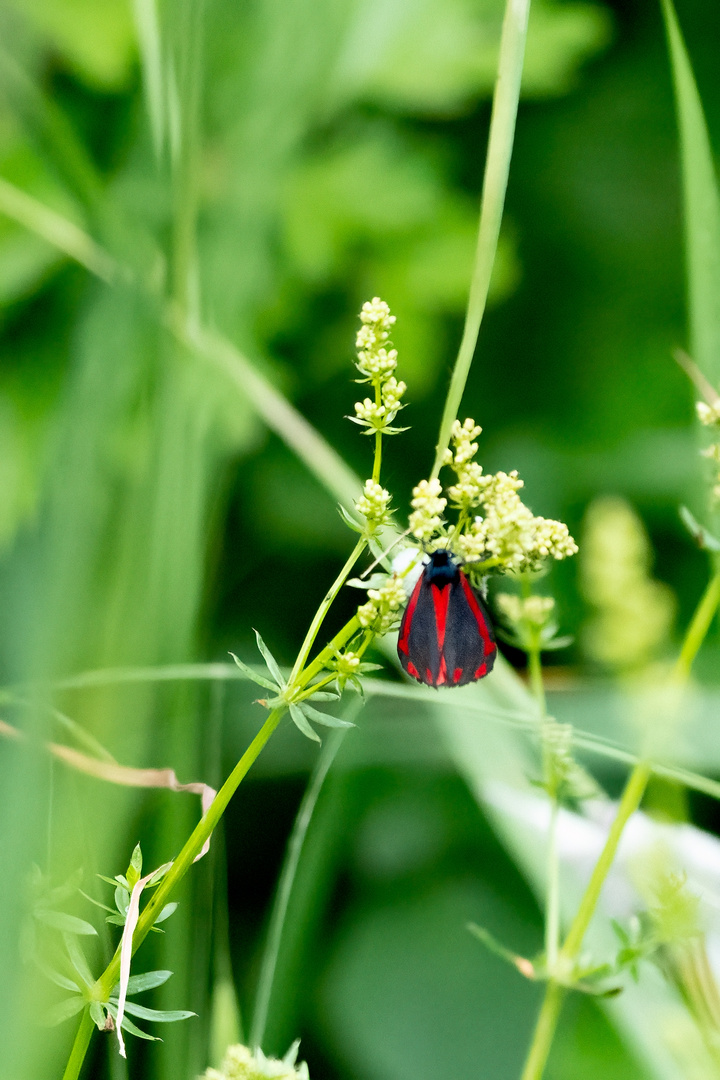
(446, 636)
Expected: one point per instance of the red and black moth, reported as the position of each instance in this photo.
(446, 636)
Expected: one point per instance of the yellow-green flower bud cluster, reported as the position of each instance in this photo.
(370, 413)
(392, 391)
(376, 363)
(240, 1064)
(382, 607)
(564, 777)
(534, 610)
(347, 664)
(373, 504)
(509, 533)
(709, 415)
(428, 505)
(467, 492)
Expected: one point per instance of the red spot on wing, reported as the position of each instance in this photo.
(488, 643)
(412, 670)
(440, 599)
(442, 673)
(457, 674)
(482, 670)
(407, 621)
(429, 677)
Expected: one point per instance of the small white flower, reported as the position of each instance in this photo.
(381, 610)
(428, 505)
(535, 610)
(370, 412)
(373, 504)
(708, 414)
(377, 364)
(240, 1063)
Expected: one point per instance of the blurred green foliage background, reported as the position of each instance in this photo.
(270, 165)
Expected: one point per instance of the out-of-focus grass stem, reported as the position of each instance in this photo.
(697, 631)
(285, 886)
(79, 1047)
(497, 167)
(281, 417)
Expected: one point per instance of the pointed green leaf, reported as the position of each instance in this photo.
(60, 920)
(148, 981)
(116, 920)
(77, 957)
(134, 870)
(96, 902)
(63, 1011)
(349, 520)
(557, 643)
(133, 1029)
(300, 722)
(323, 695)
(259, 679)
(127, 1024)
(167, 911)
(122, 899)
(270, 660)
(291, 1056)
(159, 1016)
(324, 718)
(59, 980)
(97, 1014)
(158, 875)
(110, 880)
(523, 965)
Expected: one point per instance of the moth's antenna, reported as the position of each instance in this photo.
(385, 553)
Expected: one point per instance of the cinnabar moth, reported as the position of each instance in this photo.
(446, 636)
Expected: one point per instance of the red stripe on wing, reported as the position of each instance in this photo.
(440, 598)
(407, 619)
(489, 645)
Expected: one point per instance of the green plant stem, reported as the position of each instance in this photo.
(497, 167)
(552, 902)
(552, 899)
(80, 1046)
(554, 992)
(699, 626)
(377, 463)
(629, 803)
(544, 1031)
(324, 608)
(285, 886)
(341, 639)
(536, 680)
(192, 847)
